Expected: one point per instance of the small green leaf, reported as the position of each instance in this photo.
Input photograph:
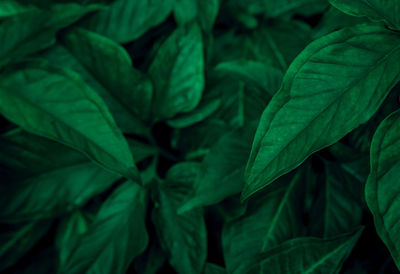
(127, 20)
(345, 91)
(44, 179)
(57, 104)
(178, 73)
(183, 236)
(376, 10)
(382, 188)
(114, 238)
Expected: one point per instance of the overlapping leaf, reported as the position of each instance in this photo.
(57, 104)
(345, 92)
(382, 189)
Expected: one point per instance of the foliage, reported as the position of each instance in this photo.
(199, 136)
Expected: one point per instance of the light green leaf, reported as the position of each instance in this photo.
(44, 179)
(114, 238)
(376, 10)
(16, 240)
(382, 188)
(127, 20)
(338, 207)
(345, 91)
(126, 84)
(12, 7)
(305, 255)
(183, 236)
(178, 73)
(57, 104)
(269, 220)
(30, 29)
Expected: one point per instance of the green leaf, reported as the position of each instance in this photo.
(27, 30)
(16, 240)
(183, 236)
(178, 73)
(126, 121)
(376, 10)
(345, 91)
(214, 269)
(11, 8)
(222, 170)
(338, 207)
(382, 188)
(60, 106)
(269, 220)
(116, 236)
(127, 20)
(305, 255)
(44, 179)
(123, 82)
(204, 11)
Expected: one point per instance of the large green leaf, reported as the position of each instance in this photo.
(57, 104)
(376, 10)
(11, 7)
(27, 30)
(43, 179)
(16, 240)
(305, 255)
(345, 89)
(183, 236)
(269, 220)
(178, 73)
(126, 121)
(123, 82)
(383, 189)
(338, 205)
(127, 20)
(114, 238)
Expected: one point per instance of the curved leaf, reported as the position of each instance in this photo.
(306, 255)
(376, 10)
(123, 82)
(44, 179)
(383, 189)
(183, 236)
(127, 20)
(116, 236)
(58, 105)
(344, 89)
(178, 73)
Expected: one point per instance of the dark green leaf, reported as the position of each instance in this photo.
(204, 11)
(43, 179)
(305, 255)
(116, 236)
(123, 82)
(127, 20)
(178, 73)
(269, 220)
(346, 90)
(16, 240)
(57, 104)
(376, 10)
(183, 236)
(382, 188)
(27, 30)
